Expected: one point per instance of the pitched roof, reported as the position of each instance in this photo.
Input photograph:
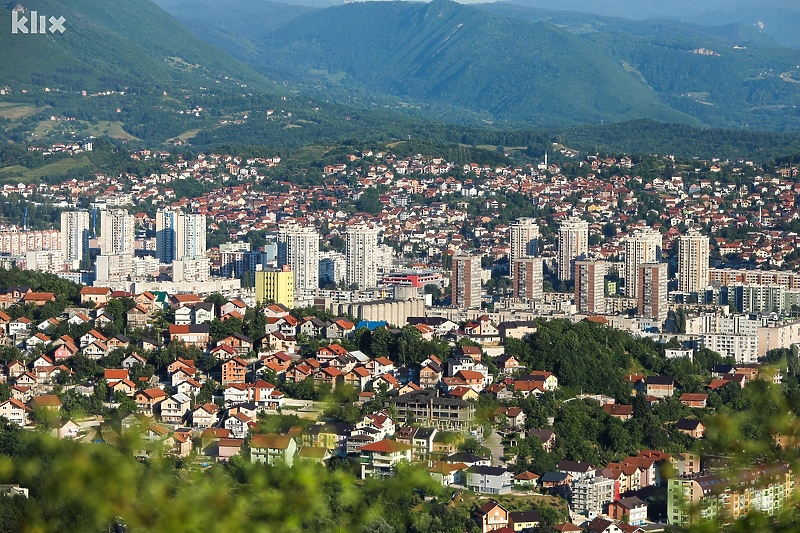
(487, 507)
(271, 441)
(618, 409)
(386, 446)
(687, 424)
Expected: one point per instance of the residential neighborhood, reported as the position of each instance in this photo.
(583, 358)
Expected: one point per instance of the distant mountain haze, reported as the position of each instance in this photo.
(517, 64)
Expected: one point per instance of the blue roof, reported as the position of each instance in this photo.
(372, 325)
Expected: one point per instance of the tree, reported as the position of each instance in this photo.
(381, 342)
(369, 202)
(220, 329)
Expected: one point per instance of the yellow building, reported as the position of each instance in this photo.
(276, 286)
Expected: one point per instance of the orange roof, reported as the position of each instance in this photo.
(46, 400)
(97, 335)
(693, 397)
(183, 298)
(115, 374)
(38, 296)
(386, 446)
(96, 291)
(717, 383)
(470, 374)
(153, 393)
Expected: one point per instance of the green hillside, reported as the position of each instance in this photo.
(108, 43)
(744, 79)
(516, 66)
(235, 26)
(129, 64)
(448, 53)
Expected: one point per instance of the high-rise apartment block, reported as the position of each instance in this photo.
(652, 291)
(466, 281)
(644, 246)
(116, 232)
(573, 243)
(524, 241)
(362, 264)
(528, 278)
(180, 236)
(74, 237)
(298, 247)
(589, 286)
(21, 242)
(693, 257)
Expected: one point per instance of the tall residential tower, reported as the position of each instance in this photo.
(524, 241)
(362, 264)
(298, 247)
(693, 257)
(573, 243)
(466, 281)
(644, 246)
(74, 237)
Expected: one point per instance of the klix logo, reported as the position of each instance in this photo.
(36, 24)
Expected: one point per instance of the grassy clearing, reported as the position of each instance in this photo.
(186, 135)
(515, 502)
(112, 129)
(16, 111)
(16, 173)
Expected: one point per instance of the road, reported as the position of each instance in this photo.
(495, 443)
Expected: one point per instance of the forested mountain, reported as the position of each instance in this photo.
(778, 19)
(236, 26)
(447, 53)
(108, 44)
(148, 79)
(726, 76)
(517, 65)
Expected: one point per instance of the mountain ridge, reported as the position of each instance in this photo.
(448, 53)
(509, 64)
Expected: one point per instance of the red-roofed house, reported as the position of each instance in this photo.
(378, 459)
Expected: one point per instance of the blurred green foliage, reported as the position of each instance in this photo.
(96, 487)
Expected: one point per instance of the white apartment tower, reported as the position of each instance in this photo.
(693, 256)
(573, 243)
(524, 241)
(74, 237)
(644, 246)
(191, 241)
(298, 247)
(116, 232)
(362, 257)
(179, 236)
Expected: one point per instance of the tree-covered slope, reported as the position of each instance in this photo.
(453, 54)
(731, 76)
(235, 26)
(108, 44)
